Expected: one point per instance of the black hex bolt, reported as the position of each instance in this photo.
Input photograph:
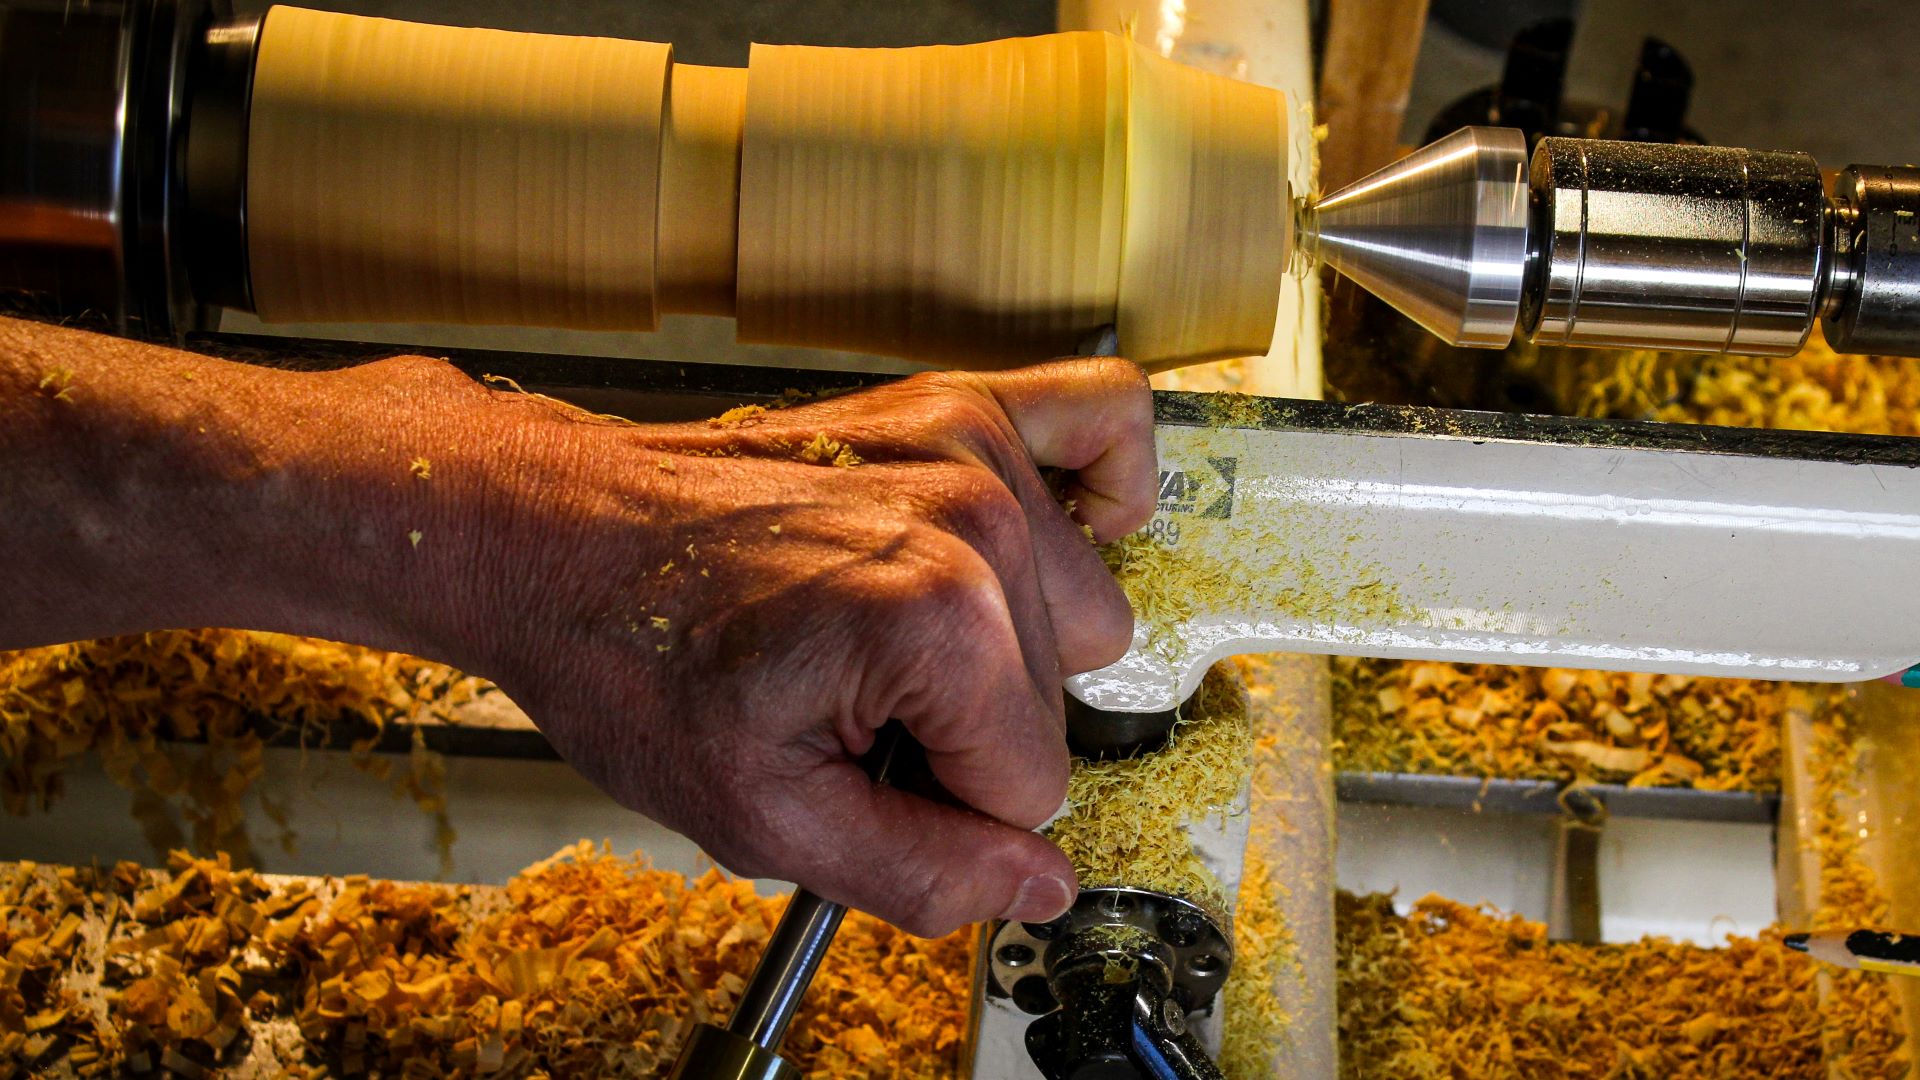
(1181, 928)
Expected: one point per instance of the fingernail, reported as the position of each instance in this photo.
(1042, 898)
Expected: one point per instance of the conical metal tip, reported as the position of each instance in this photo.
(1440, 234)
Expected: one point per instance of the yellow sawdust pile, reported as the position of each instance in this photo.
(587, 965)
(1557, 724)
(177, 718)
(1455, 991)
(1263, 955)
(42, 916)
(1816, 390)
(1452, 991)
(183, 949)
(1126, 819)
(1862, 1020)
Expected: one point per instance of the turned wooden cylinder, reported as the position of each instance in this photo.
(978, 205)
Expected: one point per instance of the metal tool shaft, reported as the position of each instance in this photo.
(800, 940)
(748, 1048)
(787, 966)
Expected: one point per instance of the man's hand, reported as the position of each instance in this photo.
(721, 619)
(708, 620)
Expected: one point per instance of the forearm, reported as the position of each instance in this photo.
(708, 620)
(146, 487)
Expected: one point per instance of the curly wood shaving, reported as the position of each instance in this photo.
(1557, 724)
(142, 702)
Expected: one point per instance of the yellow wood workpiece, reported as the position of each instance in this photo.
(953, 203)
(700, 188)
(977, 205)
(404, 172)
(1209, 225)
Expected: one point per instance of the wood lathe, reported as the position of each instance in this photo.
(992, 204)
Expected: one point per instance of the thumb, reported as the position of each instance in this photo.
(925, 867)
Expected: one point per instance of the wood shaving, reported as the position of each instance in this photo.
(1126, 819)
(564, 409)
(586, 964)
(177, 718)
(1451, 991)
(57, 383)
(42, 914)
(739, 416)
(824, 449)
(1557, 724)
(194, 938)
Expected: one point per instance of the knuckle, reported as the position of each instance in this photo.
(408, 375)
(926, 567)
(984, 511)
(963, 591)
(1119, 375)
(968, 409)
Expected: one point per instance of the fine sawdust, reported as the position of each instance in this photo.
(1126, 819)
